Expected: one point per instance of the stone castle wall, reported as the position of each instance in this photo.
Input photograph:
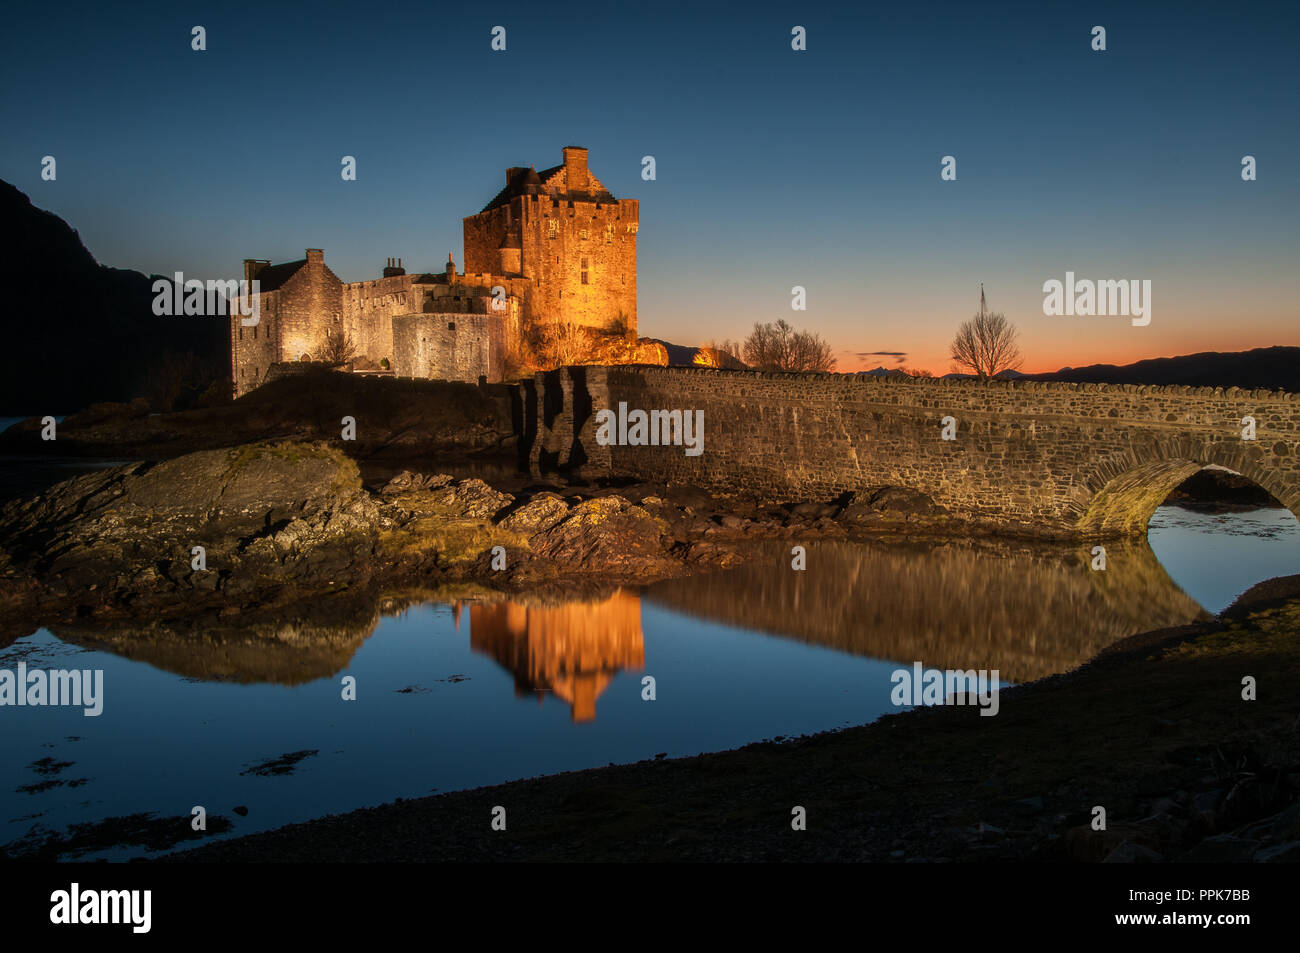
(452, 347)
(309, 301)
(369, 308)
(254, 349)
(1063, 458)
(555, 239)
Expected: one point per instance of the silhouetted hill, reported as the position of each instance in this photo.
(1270, 368)
(78, 332)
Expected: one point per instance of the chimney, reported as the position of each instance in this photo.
(575, 168)
(394, 268)
(252, 266)
(512, 172)
(451, 268)
(315, 256)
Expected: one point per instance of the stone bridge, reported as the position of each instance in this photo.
(1067, 460)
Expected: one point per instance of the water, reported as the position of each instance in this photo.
(21, 476)
(1215, 557)
(456, 696)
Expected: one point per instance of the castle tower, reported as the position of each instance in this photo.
(568, 236)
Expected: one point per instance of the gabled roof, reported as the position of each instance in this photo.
(274, 276)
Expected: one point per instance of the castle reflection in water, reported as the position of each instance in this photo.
(572, 650)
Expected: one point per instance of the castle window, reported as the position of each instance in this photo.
(241, 334)
(584, 271)
(583, 234)
(451, 325)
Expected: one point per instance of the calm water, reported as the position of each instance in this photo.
(457, 696)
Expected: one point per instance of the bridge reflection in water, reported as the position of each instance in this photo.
(1026, 609)
(572, 650)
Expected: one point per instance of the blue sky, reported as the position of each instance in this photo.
(775, 168)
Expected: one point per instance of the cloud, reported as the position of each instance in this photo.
(898, 356)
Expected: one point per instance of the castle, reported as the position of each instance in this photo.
(552, 247)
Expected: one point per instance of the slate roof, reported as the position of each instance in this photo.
(274, 276)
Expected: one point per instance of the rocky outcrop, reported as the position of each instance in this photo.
(236, 522)
(251, 527)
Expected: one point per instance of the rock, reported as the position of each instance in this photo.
(811, 511)
(1082, 843)
(1221, 849)
(607, 534)
(1286, 824)
(867, 505)
(1205, 806)
(1165, 805)
(472, 499)
(262, 513)
(1130, 853)
(537, 515)
(407, 481)
(1287, 853)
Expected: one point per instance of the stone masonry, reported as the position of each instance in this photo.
(1071, 460)
(552, 246)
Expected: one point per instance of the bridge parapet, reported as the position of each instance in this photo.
(1044, 457)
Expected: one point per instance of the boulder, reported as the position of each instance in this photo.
(867, 505)
(258, 509)
(472, 499)
(607, 534)
(537, 515)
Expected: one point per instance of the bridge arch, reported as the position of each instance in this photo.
(1126, 488)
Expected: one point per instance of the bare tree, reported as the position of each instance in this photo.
(986, 345)
(338, 347)
(779, 347)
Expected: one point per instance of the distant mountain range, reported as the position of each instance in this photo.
(1269, 368)
(77, 332)
(1266, 368)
